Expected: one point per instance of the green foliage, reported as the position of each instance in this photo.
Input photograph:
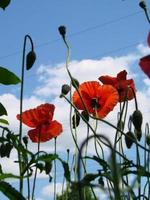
(10, 192)
(72, 193)
(7, 77)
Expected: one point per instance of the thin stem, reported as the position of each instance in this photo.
(55, 168)
(21, 105)
(35, 175)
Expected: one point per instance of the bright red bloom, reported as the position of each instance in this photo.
(121, 84)
(145, 65)
(40, 118)
(98, 99)
(145, 61)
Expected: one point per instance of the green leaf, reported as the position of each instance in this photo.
(10, 192)
(7, 77)
(3, 111)
(4, 121)
(4, 3)
(66, 169)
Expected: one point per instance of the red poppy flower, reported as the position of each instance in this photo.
(121, 84)
(145, 65)
(98, 99)
(40, 119)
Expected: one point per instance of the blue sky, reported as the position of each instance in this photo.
(106, 36)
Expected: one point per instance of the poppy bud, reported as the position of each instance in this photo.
(142, 4)
(85, 115)
(129, 139)
(65, 89)
(75, 120)
(30, 59)
(148, 140)
(75, 83)
(62, 31)
(4, 4)
(137, 120)
(25, 140)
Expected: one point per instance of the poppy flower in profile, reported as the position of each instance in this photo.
(121, 84)
(98, 99)
(41, 120)
(145, 65)
(145, 61)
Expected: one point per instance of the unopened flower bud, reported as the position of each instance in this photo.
(129, 139)
(30, 59)
(137, 120)
(148, 140)
(25, 140)
(65, 89)
(62, 31)
(85, 115)
(142, 4)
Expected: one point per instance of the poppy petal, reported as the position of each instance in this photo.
(108, 99)
(45, 132)
(87, 90)
(35, 117)
(145, 65)
(108, 80)
(122, 75)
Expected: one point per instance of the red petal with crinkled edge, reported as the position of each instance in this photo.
(106, 97)
(145, 65)
(45, 132)
(35, 117)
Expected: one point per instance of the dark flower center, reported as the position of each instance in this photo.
(94, 103)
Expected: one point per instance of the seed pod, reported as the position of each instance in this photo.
(137, 120)
(62, 31)
(129, 139)
(65, 89)
(30, 59)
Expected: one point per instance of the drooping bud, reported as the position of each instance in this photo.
(129, 139)
(142, 4)
(137, 119)
(30, 59)
(62, 31)
(65, 89)
(4, 3)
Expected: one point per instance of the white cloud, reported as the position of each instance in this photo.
(48, 191)
(51, 79)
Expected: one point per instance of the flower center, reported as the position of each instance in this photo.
(94, 103)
